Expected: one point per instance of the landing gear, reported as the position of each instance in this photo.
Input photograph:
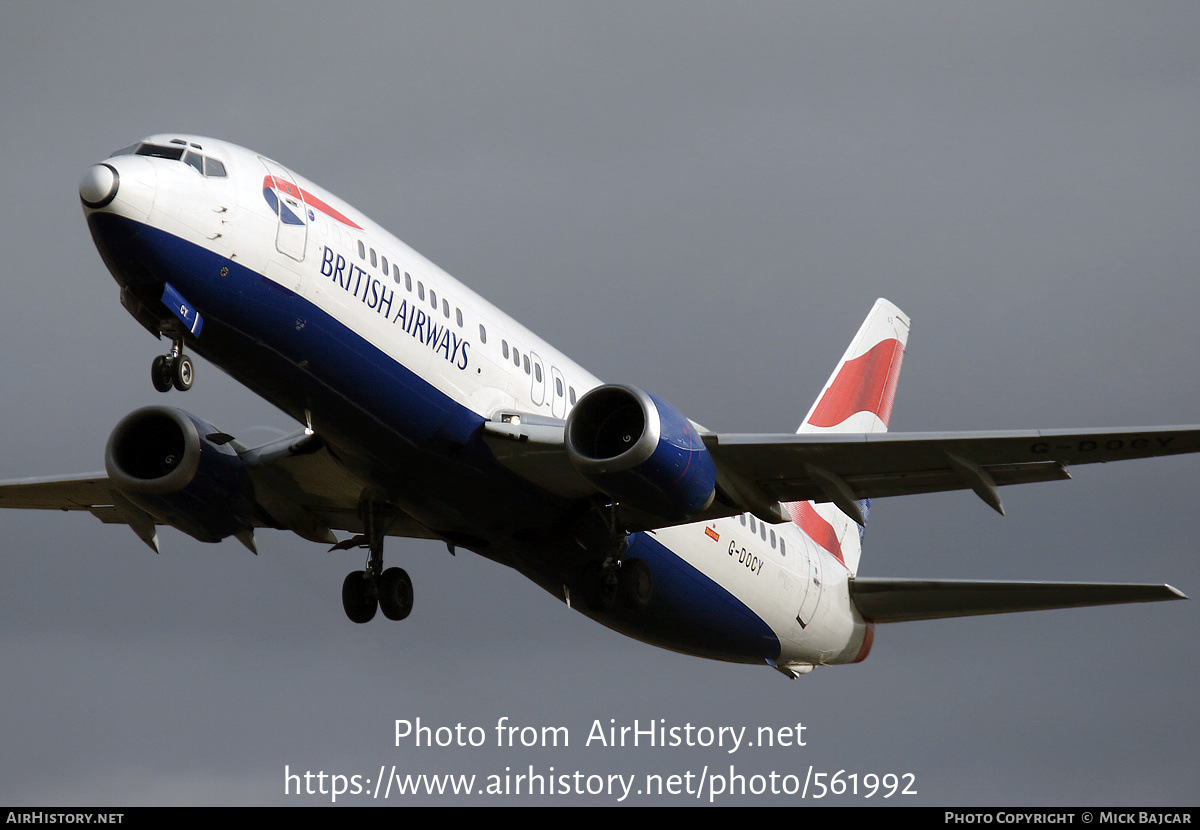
(365, 591)
(174, 368)
(635, 584)
(395, 594)
(357, 598)
(629, 581)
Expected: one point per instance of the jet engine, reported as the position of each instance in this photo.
(641, 451)
(181, 471)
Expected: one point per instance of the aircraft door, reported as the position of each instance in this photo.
(284, 197)
(558, 393)
(537, 392)
(810, 586)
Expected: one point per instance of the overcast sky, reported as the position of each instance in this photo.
(703, 199)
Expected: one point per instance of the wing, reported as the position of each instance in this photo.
(755, 473)
(843, 468)
(298, 485)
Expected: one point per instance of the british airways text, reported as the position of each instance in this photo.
(378, 296)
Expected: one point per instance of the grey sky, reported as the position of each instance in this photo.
(703, 199)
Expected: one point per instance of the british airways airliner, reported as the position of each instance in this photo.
(427, 412)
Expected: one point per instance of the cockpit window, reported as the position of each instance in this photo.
(204, 165)
(195, 160)
(158, 151)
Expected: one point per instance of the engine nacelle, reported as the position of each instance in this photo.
(641, 451)
(163, 461)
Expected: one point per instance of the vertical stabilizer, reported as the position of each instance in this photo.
(857, 398)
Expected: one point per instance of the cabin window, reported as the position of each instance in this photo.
(362, 250)
(525, 362)
(571, 389)
(537, 372)
(483, 338)
(458, 316)
(420, 289)
(503, 345)
(408, 282)
(374, 260)
(433, 299)
(782, 547)
(558, 390)
(395, 273)
(445, 308)
(383, 259)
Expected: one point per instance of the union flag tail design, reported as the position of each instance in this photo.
(857, 398)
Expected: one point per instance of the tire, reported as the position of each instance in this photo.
(183, 373)
(636, 584)
(395, 594)
(359, 607)
(160, 373)
(599, 592)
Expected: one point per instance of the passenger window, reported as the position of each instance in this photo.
(445, 308)
(483, 338)
(558, 390)
(374, 261)
(362, 250)
(395, 273)
(433, 299)
(383, 259)
(525, 363)
(572, 391)
(408, 282)
(537, 372)
(458, 317)
(782, 547)
(420, 289)
(503, 346)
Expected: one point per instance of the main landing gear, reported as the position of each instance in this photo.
(364, 591)
(627, 581)
(174, 368)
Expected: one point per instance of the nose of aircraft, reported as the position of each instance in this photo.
(99, 185)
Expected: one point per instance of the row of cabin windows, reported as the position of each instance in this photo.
(762, 530)
(519, 360)
(377, 260)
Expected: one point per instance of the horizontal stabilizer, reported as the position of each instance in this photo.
(900, 600)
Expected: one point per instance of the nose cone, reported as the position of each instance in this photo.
(99, 185)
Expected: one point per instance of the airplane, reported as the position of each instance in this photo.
(429, 413)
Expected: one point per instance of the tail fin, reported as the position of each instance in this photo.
(857, 398)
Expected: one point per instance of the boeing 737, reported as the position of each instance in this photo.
(429, 413)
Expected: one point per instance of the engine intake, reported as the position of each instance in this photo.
(641, 451)
(162, 460)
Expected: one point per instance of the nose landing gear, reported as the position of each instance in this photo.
(173, 369)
